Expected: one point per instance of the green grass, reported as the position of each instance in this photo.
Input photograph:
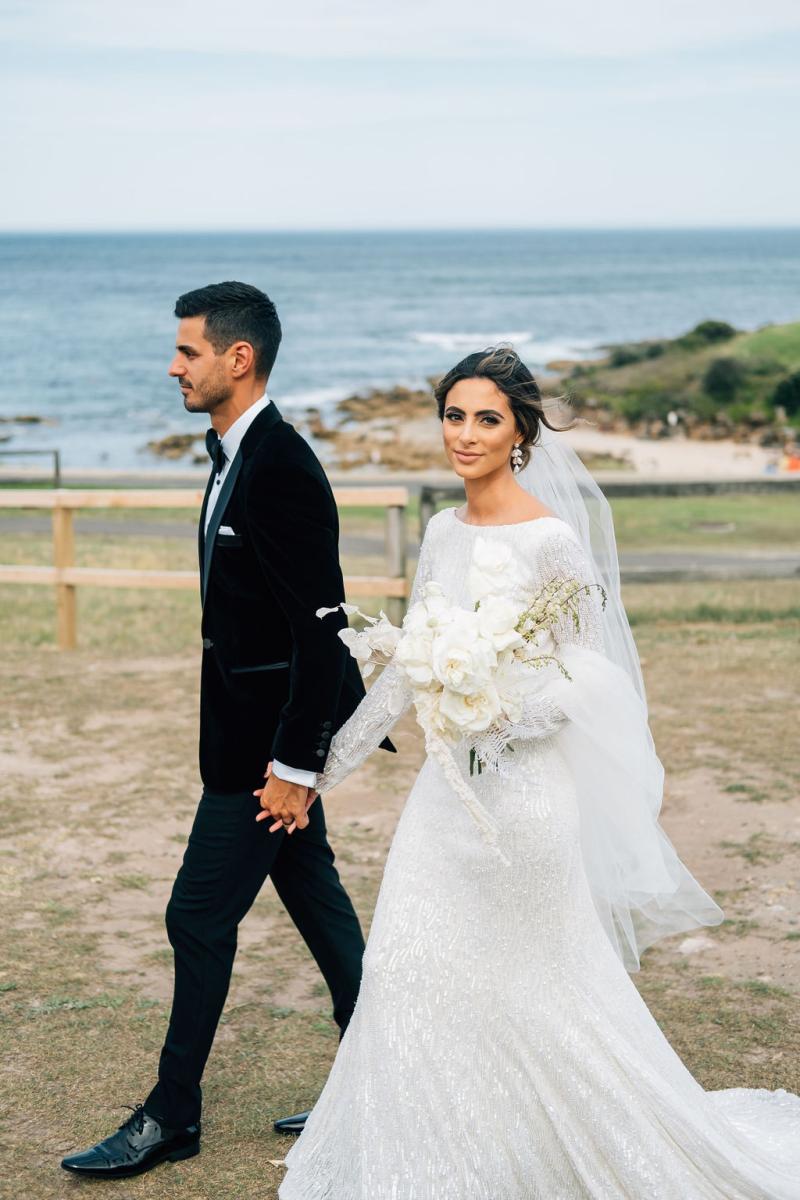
(651, 387)
(778, 342)
(762, 521)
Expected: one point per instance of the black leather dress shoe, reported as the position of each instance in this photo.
(294, 1124)
(139, 1144)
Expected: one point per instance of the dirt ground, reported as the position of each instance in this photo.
(98, 784)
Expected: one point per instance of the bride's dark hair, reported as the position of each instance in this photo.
(509, 374)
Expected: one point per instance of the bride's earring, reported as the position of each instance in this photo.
(516, 458)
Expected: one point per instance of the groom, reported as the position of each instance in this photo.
(276, 683)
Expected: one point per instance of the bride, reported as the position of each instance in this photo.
(499, 1049)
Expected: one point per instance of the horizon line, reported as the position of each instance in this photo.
(167, 230)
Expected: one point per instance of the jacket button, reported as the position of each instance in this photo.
(207, 643)
(327, 724)
(325, 737)
(320, 753)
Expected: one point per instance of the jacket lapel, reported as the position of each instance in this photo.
(267, 419)
(201, 535)
(216, 517)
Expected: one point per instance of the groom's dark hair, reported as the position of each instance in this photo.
(236, 312)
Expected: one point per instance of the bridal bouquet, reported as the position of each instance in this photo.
(469, 670)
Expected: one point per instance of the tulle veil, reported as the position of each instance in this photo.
(641, 889)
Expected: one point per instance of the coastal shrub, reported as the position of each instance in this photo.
(633, 352)
(787, 394)
(622, 356)
(723, 378)
(713, 331)
(707, 333)
(647, 404)
(764, 367)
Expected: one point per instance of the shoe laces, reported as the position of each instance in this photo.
(136, 1119)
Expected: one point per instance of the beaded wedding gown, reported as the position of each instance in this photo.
(499, 1049)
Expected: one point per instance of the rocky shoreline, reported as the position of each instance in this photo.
(713, 384)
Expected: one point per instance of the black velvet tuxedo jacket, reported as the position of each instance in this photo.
(277, 681)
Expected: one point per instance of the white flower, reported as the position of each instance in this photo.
(461, 658)
(430, 611)
(413, 655)
(346, 608)
(473, 712)
(489, 571)
(541, 642)
(497, 619)
(429, 716)
(357, 644)
(384, 636)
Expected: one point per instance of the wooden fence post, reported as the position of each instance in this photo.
(64, 556)
(396, 558)
(427, 507)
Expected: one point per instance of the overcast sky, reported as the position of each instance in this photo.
(247, 114)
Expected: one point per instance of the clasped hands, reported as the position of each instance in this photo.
(287, 803)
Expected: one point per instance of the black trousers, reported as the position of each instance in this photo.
(227, 859)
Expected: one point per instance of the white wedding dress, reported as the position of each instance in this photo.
(499, 1049)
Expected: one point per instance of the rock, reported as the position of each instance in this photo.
(25, 419)
(175, 445)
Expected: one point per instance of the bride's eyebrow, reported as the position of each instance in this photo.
(484, 412)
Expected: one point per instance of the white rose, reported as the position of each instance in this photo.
(497, 618)
(413, 655)
(471, 713)
(429, 716)
(461, 658)
(383, 636)
(489, 571)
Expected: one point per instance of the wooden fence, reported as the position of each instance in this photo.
(65, 576)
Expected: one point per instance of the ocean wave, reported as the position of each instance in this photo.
(535, 352)
(476, 341)
(322, 397)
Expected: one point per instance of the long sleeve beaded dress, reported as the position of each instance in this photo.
(499, 1049)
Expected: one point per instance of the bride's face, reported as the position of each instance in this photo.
(479, 429)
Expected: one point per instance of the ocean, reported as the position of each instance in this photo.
(88, 332)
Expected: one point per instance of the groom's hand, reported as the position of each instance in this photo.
(286, 803)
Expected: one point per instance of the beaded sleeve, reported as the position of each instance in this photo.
(380, 709)
(559, 559)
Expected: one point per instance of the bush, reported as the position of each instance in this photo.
(712, 331)
(633, 352)
(723, 379)
(622, 356)
(787, 394)
(646, 405)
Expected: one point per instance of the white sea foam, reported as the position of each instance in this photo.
(536, 353)
(323, 397)
(474, 341)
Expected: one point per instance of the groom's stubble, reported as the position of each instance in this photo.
(206, 395)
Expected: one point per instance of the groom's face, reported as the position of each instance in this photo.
(203, 375)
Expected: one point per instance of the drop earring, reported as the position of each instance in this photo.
(516, 458)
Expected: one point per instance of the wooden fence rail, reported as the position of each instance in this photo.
(65, 577)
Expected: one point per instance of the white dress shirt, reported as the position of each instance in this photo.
(231, 441)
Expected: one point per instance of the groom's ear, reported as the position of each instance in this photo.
(242, 358)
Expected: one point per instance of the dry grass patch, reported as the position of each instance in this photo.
(97, 790)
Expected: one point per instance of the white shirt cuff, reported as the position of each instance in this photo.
(294, 774)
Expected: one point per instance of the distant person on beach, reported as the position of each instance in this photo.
(276, 685)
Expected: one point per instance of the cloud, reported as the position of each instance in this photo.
(414, 29)
(249, 115)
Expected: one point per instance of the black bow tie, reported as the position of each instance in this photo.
(215, 450)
